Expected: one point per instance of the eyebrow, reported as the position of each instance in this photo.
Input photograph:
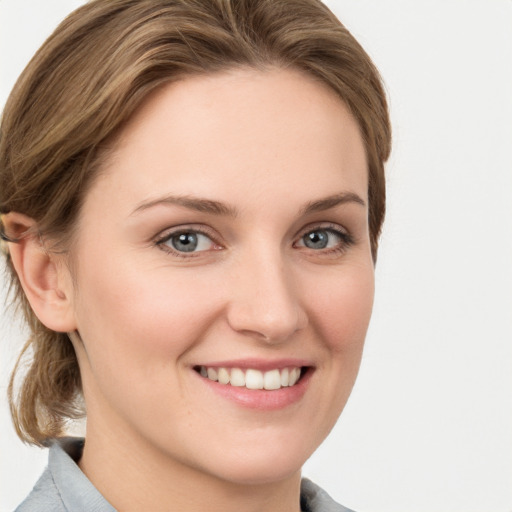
(332, 201)
(192, 203)
(217, 208)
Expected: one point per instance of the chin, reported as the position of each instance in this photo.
(260, 472)
(259, 463)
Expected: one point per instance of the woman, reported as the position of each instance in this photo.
(191, 195)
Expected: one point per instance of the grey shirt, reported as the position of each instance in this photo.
(64, 488)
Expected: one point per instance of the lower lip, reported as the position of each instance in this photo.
(261, 399)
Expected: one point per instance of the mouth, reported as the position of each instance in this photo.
(252, 378)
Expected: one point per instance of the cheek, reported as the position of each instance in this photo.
(339, 311)
(133, 322)
(136, 331)
(342, 308)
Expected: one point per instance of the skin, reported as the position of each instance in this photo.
(266, 144)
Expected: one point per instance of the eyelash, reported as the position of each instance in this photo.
(346, 240)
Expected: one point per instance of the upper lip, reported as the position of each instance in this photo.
(258, 364)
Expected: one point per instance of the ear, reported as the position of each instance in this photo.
(44, 276)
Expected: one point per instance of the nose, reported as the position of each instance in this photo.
(265, 302)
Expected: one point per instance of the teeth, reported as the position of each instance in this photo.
(237, 377)
(272, 380)
(285, 379)
(253, 379)
(223, 376)
(294, 376)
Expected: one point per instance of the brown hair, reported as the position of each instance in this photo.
(87, 80)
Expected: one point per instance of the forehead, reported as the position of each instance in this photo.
(232, 132)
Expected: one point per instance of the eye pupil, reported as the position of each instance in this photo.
(316, 239)
(185, 242)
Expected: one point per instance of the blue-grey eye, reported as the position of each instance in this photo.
(185, 242)
(316, 239)
(320, 239)
(189, 242)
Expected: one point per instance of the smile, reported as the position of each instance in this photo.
(251, 378)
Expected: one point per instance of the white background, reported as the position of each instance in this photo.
(429, 425)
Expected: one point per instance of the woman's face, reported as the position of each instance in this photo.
(226, 238)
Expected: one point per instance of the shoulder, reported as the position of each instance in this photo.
(62, 486)
(44, 496)
(315, 499)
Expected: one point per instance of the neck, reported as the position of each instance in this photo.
(133, 475)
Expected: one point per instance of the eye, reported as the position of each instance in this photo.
(318, 239)
(186, 242)
(324, 238)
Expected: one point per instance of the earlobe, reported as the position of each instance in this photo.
(44, 277)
